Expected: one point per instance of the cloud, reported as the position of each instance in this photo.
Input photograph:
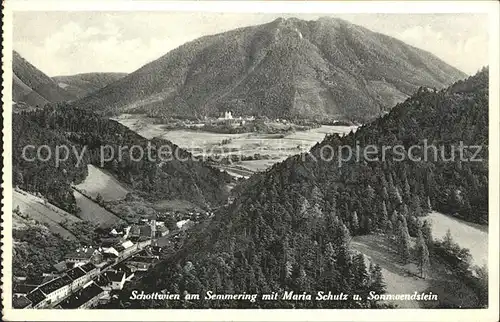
(467, 53)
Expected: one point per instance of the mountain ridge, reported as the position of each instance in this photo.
(284, 68)
(32, 87)
(290, 227)
(84, 84)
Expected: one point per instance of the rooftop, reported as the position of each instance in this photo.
(102, 280)
(123, 268)
(20, 302)
(55, 284)
(143, 259)
(75, 273)
(88, 267)
(115, 276)
(36, 296)
(81, 297)
(60, 267)
(82, 253)
(23, 288)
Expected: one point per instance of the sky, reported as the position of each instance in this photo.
(66, 43)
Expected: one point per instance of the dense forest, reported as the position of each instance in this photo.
(290, 227)
(89, 135)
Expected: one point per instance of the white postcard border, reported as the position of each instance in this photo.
(489, 7)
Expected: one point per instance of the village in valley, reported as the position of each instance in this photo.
(90, 276)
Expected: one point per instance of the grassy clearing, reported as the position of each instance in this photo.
(35, 208)
(404, 279)
(467, 235)
(175, 205)
(101, 182)
(94, 213)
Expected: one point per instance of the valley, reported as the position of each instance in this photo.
(240, 155)
(221, 167)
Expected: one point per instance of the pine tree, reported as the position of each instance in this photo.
(428, 205)
(395, 195)
(406, 190)
(394, 218)
(354, 223)
(377, 281)
(360, 275)
(403, 240)
(99, 198)
(405, 212)
(427, 233)
(329, 255)
(416, 207)
(422, 255)
(370, 193)
(384, 217)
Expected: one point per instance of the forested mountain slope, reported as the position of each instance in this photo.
(327, 68)
(81, 85)
(32, 87)
(94, 138)
(290, 227)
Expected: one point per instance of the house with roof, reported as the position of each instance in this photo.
(50, 292)
(90, 269)
(78, 276)
(53, 291)
(84, 255)
(155, 250)
(120, 250)
(142, 263)
(161, 231)
(85, 298)
(122, 268)
(37, 298)
(117, 279)
(103, 281)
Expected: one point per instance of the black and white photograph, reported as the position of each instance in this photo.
(256, 160)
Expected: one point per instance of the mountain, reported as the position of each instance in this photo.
(81, 85)
(290, 68)
(32, 87)
(289, 228)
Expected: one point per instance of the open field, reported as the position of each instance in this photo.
(467, 235)
(404, 279)
(91, 211)
(99, 181)
(35, 208)
(276, 147)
